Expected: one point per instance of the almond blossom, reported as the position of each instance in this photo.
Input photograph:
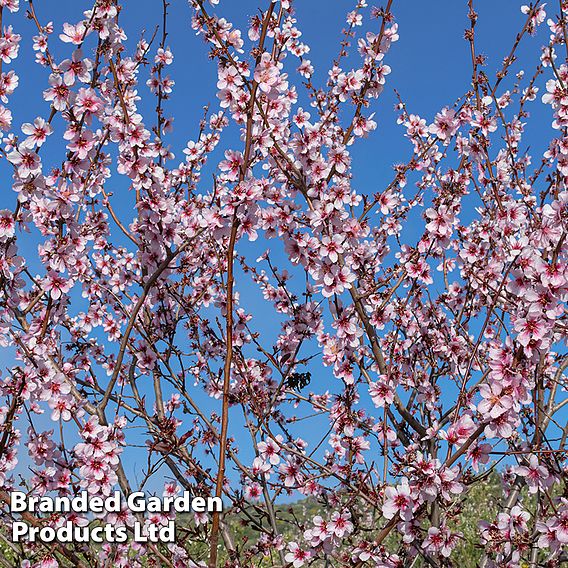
(245, 303)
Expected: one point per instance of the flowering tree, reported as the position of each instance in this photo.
(427, 365)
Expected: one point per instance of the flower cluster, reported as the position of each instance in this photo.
(393, 352)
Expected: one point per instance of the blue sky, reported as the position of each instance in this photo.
(430, 69)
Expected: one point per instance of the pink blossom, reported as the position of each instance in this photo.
(398, 501)
(26, 160)
(37, 132)
(73, 33)
(7, 225)
(297, 557)
(57, 285)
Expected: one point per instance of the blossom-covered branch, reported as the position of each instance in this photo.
(394, 350)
